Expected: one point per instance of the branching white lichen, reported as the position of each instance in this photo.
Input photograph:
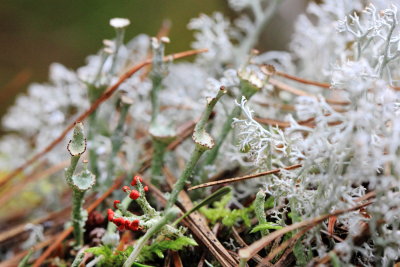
(263, 145)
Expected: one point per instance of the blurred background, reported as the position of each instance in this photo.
(33, 34)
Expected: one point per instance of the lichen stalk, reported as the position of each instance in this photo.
(211, 156)
(117, 137)
(226, 128)
(180, 183)
(71, 169)
(79, 183)
(203, 142)
(94, 93)
(259, 209)
(77, 218)
(78, 259)
(143, 203)
(157, 161)
(161, 135)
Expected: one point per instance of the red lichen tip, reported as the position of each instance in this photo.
(134, 194)
(121, 228)
(110, 214)
(134, 225)
(127, 224)
(115, 203)
(135, 179)
(126, 188)
(119, 221)
(133, 183)
(146, 188)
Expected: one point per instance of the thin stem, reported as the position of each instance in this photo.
(95, 261)
(157, 161)
(77, 218)
(116, 141)
(158, 132)
(386, 51)
(78, 259)
(142, 201)
(203, 142)
(155, 105)
(226, 128)
(25, 261)
(242, 178)
(91, 148)
(116, 138)
(97, 77)
(70, 171)
(78, 184)
(118, 42)
(94, 92)
(187, 172)
(242, 263)
(259, 210)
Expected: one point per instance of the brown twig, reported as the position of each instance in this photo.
(241, 242)
(197, 224)
(290, 242)
(202, 260)
(287, 259)
(285, 87)
(301, 80)
(273, 122)
(246, 177)
(106, 95)
(324, 260)
(280, 106)
(176, 259)
(126, 236)
(285, 124)
(333, 236)
(331, 225)
(250, 251)
(367, 196)
(319, 84)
